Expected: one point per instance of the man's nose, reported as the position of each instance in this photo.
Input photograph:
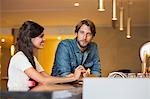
(84, 36)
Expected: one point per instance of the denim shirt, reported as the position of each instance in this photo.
(68, 57)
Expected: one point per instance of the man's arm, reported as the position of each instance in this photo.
(62, 61)
(96, 68)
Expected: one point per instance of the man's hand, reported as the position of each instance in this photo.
(85, 73)
(78, 72)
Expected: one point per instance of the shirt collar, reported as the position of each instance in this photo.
(76, 46)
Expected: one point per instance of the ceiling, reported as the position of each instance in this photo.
(63, 13)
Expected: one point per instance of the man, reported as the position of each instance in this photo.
(80, 51)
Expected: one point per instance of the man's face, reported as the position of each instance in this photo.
(84, 36)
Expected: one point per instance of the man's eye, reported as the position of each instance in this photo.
(81, 31)
(89, 34)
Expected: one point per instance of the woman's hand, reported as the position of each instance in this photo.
(78, 71)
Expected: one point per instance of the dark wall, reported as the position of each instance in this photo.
(118, 52)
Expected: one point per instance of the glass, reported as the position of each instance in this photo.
(131, 75)
(147, 75)
(140, 75)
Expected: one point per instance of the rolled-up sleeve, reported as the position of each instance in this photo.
(96, 68)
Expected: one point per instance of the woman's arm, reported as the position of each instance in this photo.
(32, 73)
(44, 74)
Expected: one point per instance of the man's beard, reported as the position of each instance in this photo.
(82, 45)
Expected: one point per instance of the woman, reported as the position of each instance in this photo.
(24, 69)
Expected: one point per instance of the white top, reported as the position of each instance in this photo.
(17, 79)
(145, 49)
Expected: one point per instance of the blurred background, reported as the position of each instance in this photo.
(122, 28)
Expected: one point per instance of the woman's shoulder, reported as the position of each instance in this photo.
(19, 55)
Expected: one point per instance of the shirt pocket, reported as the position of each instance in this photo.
(88, 65)
(73, 63)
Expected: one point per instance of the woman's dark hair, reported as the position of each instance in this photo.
(28, 30)
(88, 23)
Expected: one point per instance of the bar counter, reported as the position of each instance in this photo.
(51, 91)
